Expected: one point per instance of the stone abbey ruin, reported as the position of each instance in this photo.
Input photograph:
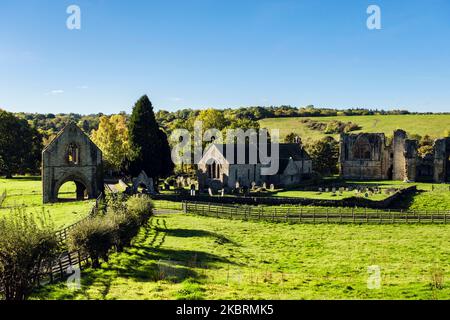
(72, 156)
(367, 156)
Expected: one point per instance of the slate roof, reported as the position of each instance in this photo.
(286, 152)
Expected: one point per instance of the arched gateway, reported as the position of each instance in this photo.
(72, 156)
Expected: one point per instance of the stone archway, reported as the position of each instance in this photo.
(72, 156)
(83, 189)
(142, 180)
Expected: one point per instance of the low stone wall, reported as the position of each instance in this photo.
(347, 202)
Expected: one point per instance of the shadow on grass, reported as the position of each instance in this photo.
(405, 200)
(25, 178)
(145, 261)
(189, 233)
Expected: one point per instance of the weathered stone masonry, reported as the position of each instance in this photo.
(72, 156)
(367, 156)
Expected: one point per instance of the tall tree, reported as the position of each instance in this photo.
(212, 119)
(20, 146)
(149, 146)
(325, 155)
(112, 138)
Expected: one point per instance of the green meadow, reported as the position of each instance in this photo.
(26, 193)
(429, 196)
(434, 125)
(189, 257)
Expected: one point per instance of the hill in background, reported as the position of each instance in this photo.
(434, 125)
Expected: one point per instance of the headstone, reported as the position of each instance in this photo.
(320, 189)
(222, 193)
(272, 187)
(210, 192)
(264, 185)
(238, 185)
(333, 190)
(327, 190)
(253, 185)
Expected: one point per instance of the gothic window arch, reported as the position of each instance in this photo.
(362, 150)
(214, 170)
(73, 154)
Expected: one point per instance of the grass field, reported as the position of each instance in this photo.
(325, 195)
(428, 197)
(189, 257)
(433, 125)
(27, 192)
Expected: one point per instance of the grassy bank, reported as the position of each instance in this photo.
(188, 257)
(433, 125)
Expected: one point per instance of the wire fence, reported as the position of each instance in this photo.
(317, 215)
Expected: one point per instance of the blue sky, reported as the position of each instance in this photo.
(223, 53)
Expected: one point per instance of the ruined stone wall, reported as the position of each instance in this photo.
(440, 160)
(364, 156)
(57, 169)
(399, 171)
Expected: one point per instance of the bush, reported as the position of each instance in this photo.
(126, 227)
(128, 220)
(140, 207)
(94, 236)
(114, 229)
(26, 243)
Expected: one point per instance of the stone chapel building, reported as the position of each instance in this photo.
(215, 170)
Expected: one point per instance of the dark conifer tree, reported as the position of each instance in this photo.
(148, 143)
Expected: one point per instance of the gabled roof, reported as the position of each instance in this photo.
(287, 151)
(71, 124)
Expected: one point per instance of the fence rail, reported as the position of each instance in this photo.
(317, 215)
(62, 234)
(57, 269)
(2, 197)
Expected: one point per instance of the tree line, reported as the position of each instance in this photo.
(129, 143)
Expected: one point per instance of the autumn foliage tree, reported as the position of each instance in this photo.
(113, 139)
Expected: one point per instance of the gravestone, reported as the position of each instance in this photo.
(272, 187)
(143, 180)
(210, 192)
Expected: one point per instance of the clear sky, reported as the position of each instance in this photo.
(223, 53)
